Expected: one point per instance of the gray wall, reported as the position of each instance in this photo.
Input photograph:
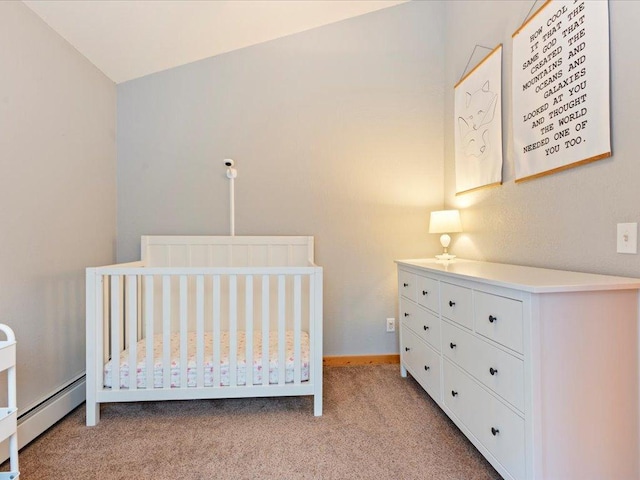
(57, 196)
(337, 132)
(566, 220)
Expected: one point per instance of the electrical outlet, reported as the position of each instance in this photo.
(391, 324)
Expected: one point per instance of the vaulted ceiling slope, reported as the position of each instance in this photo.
(127, 39)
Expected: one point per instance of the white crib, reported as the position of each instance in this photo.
(206, 317)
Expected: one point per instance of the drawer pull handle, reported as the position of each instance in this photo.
(424, 292)
(495, 431)
(492, 319)
(406, 314)
(452, 345)
(405, 284)
(492, 371)
(425, 327)
(452, 304)
(426, 367)
(406, 349)
(453, 393)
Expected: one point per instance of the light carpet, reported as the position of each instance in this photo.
(376, 425)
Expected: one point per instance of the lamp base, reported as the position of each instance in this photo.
(445, 256)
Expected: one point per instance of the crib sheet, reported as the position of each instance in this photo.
(141, 373)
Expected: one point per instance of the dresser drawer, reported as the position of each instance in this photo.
(457, 304)
(501, 372)
(424, 323)
(500, 319)
(408, 314)
(407, 284)
(428, 293)
(422, 362)
(497, 427)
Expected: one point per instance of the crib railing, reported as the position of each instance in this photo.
(130, 302)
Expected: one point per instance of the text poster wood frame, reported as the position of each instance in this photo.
(478, 125)
(561, 111)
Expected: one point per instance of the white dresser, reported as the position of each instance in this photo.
(538, 368)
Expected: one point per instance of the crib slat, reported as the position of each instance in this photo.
(105, 302)
(131, 300)
(115, 332)
(101, 324)
(233, 331)
(140, 325)
(312, 328)
(297, 320)
(265, 329)
(248, 364)
(200, 331)
(148, 329)
(183, 332)
(282, 346)
(216, 330)
(166, 331)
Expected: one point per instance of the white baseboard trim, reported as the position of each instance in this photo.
(44, 416)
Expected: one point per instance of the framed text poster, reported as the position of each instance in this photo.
(478, 125)
(561, 88)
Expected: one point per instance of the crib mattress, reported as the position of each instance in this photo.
(141, 368)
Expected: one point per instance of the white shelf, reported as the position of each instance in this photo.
(8, 422)
(7, 355)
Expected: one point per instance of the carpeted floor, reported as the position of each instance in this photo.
(376, 425)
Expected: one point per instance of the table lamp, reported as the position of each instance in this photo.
(445, 222)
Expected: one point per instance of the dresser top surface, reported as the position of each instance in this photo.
(529, 279)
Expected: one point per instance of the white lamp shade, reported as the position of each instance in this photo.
(445, 221)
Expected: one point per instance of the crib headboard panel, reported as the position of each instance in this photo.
(226, 251)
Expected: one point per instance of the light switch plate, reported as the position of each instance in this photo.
(627, 238)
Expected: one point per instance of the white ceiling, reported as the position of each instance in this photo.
(127, 39)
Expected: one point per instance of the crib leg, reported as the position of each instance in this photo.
(317, 404)
(93, 413)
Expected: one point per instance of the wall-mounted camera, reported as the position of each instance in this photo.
(231, 172)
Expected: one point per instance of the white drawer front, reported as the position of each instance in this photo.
(498, 428)
(501, 372)
(499, 319)
(407, 284)
(466, 402)
(428, 293)
(458, 346)
(457, 304)
(424, 323)
(408, 314)
(422, 362)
